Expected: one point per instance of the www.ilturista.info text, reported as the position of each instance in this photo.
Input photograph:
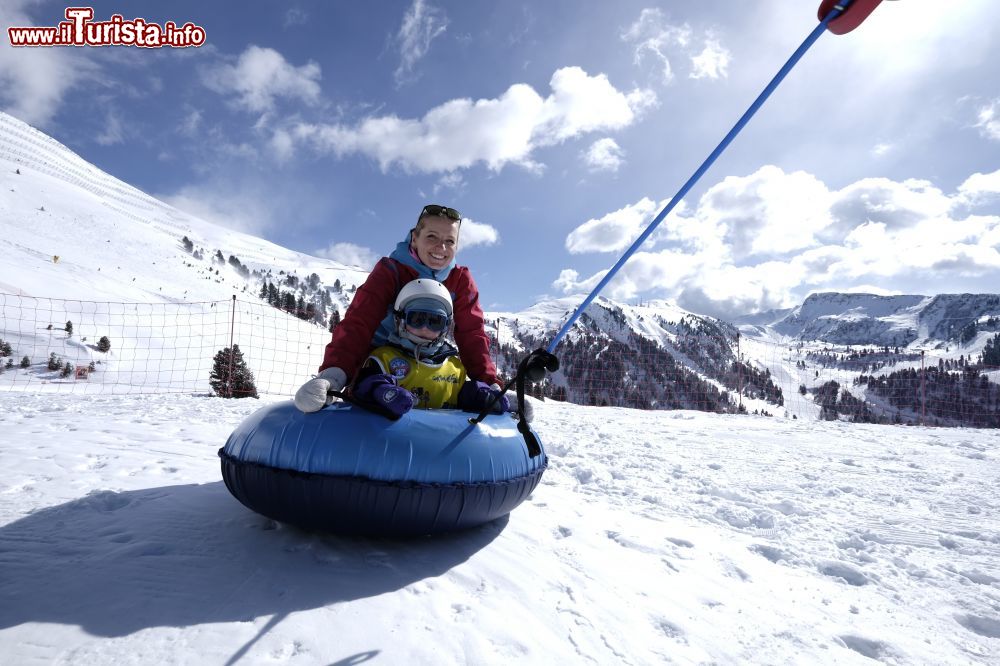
(79, 29)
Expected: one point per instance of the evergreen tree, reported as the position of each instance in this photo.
(334, 319)
(188, 245)
(5, 349)
(10, 363)
(230, 377)
(69, 328)
(67, 369)
(104, 344)
(54, 362)
(991, 352)
(25, 362)
(263, 291)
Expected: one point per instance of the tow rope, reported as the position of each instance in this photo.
(837, 16)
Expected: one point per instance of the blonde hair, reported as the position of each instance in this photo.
(420, 222)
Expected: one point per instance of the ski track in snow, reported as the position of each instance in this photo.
(667, 537)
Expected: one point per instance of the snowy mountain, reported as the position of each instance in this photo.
(868, 319)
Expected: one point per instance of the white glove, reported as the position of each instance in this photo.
(313, 397)
(529, 411)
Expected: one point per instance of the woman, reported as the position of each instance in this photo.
(427, 252)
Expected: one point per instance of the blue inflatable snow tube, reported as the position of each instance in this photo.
(348, 471)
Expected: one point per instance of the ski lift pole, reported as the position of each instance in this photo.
(836, 11)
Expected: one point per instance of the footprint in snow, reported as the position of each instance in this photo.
(848, 573)
(984, 626)
(872, 649)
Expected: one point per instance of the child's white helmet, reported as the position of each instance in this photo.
(424, 288)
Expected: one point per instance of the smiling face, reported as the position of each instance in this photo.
(435, 240)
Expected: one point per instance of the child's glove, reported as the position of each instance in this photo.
(313, 396)
(381, 393)
(474, 396)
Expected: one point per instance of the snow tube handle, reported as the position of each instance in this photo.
(852, 14)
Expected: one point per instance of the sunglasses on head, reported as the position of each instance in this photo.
(433, 210)
(435, 321)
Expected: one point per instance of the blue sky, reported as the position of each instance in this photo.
(559, 129)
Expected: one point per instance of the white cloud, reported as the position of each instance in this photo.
(613, 232)
(191, 122)
(988, 120)
(350, 254)
(282, 146)
(497, 132)
(261, 76)
(653, 37)
(897, 204)
(881, 149)
(766, 240)
(477, 233)
(980, 186)
(712, 62)
(450, 181)
(233, 208)
(768, 212)
(33, 81)
(422, 24)
(604, 155)
(296, 16)
(114, 130)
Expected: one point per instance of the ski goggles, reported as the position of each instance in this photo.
(433, 210)
(434, 321)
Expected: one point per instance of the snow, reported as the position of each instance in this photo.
(664, 537)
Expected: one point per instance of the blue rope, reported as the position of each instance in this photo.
(786, 68)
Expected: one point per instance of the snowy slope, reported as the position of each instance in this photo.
(113, 241)
(860, 319)
(663, 537)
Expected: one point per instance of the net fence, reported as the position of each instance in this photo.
(216, 347)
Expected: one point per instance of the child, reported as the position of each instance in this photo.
(419, 367)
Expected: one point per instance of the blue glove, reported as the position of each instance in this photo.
(474, 397)
(381, 393)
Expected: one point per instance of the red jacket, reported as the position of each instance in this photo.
(352, 338)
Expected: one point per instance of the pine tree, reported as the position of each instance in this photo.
(991, 352)
(5, 349)
(25, 362)
(69, 328)
(54, 362)
(231, 378)
(104, 345)
(67, 369)
(334, 319)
